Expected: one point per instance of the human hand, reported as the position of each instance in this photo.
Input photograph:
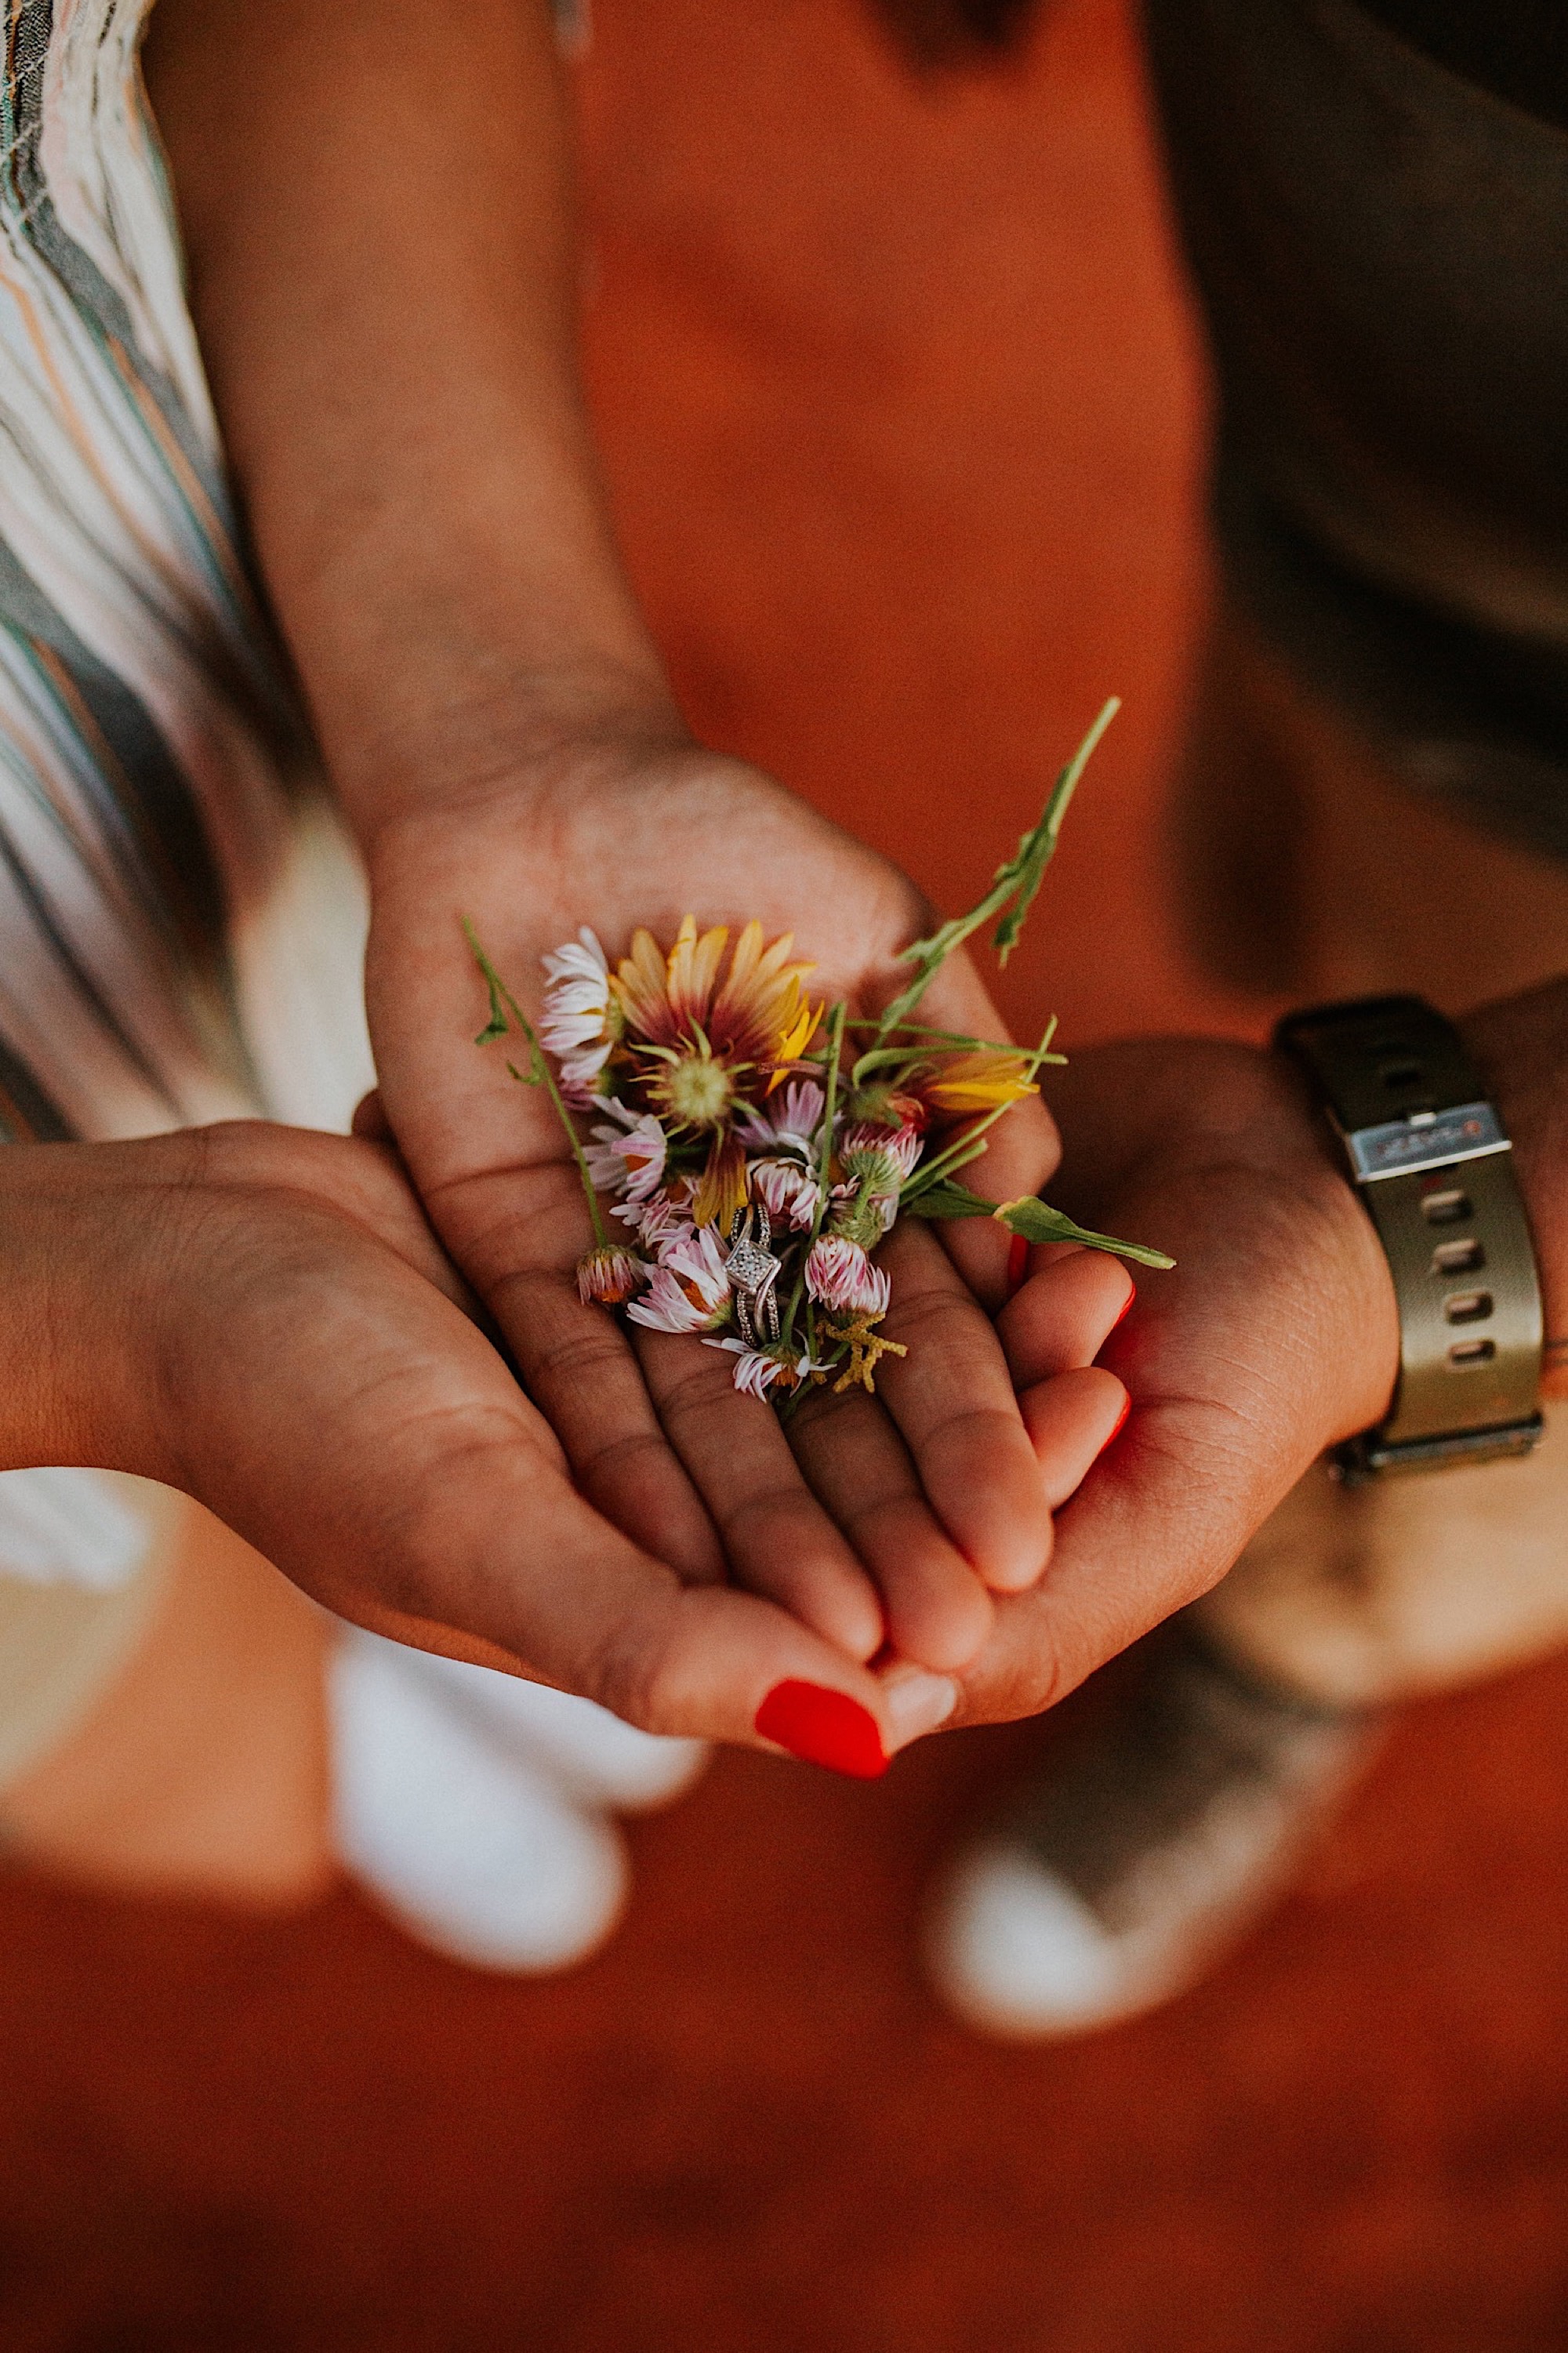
(423, 498)
(894, 1521)
(261, 1318)
(1275, 1335)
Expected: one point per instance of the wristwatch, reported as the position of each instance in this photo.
(1433, 1168)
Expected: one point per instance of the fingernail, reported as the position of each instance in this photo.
(825, 1728)
(1121, 1424)
(917, 1703)
(1125, 1310)
(1018, 1263)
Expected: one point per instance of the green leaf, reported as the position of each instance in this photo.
(497, 1024)
(1038, 1222)
(946, 1199)
(1037, 849)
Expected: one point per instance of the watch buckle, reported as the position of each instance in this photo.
(1367, 1457)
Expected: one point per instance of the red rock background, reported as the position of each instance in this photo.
(902, 412)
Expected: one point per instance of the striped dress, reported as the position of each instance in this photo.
(154, 775)
(180, 921)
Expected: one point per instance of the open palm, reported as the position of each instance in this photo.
(890, 1520)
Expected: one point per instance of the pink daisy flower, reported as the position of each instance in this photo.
(629, 1160)
(689, 1290)
(840, 1275)
(788, 1192)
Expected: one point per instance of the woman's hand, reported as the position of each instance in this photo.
(941, 1496)
(262, 1317)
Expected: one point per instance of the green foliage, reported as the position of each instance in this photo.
(1032, 1218)
(506, 1015)
(1038, 1222)
(1013, 890)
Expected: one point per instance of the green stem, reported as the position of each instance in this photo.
(835, 1050)
(943, 1036)
(1011, 894)
(501, 994)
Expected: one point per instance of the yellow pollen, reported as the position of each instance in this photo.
(697, 1091)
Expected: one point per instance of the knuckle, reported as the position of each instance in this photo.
(691, 1393)
(644, 1683)
(579, 1359)
(768, 1513)
(615, 1462)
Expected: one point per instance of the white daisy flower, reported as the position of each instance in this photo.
(690, 1290)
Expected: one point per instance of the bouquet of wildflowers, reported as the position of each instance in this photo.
(746, 1150)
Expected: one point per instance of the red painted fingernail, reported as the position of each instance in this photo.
(1018, 1263)
(1125, 1310)
(825, 1728)
(1120, 1425)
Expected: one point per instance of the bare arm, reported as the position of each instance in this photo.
(376, 201)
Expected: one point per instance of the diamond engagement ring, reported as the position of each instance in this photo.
(753, 1273)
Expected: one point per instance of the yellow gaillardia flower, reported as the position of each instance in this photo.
(705, 1033)
(978, 1081)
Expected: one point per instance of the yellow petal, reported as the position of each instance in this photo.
(639, 985)
(723, 1190)
(694, 969)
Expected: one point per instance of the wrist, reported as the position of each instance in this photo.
(75, 1392)
(438, 654)
(483, 722)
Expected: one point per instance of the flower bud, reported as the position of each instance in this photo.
(610, 1274)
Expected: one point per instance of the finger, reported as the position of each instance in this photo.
(524, 1230)
(368, 1439)
(1022, 1149)
(952, 1397)
(917, 1701)
(1157, 1521)
(778, 1538)
(1064, 1313)
(1071, 1420)
(370, 1119)
(938, 1612)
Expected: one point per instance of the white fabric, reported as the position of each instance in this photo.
(69, 1527)
(472, 1851)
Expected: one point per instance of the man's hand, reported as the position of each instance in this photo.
(1275, 1337)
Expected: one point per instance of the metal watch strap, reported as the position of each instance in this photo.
(1433, 1168)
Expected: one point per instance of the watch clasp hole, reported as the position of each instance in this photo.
(1468, 1307)
(1448, 1207)
(1465, 1354)
(1458, 1258)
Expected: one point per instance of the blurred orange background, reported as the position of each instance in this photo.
(902, 410)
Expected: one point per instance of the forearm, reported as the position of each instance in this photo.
(376, 203)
